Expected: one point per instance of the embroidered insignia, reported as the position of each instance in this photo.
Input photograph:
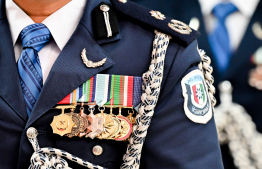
(257, 30)
(89, 63)
(197, 103)
(157, 15)
(123, 1)
(179, 26)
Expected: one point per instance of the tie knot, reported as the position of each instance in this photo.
(35, 36)
(222, 10)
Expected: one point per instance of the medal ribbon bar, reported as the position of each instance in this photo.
(105, 91)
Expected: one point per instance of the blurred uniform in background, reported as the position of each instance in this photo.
(231, 35)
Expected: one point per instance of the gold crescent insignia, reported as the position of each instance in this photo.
(90, 63)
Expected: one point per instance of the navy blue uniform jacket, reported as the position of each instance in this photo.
(240, 64)
(173, 141)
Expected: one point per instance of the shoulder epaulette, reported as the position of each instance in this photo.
(178, 30)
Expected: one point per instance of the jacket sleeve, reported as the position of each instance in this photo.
(173, 140)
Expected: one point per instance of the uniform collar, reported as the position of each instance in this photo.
(87, 20)
(247, 8)
(61, 28)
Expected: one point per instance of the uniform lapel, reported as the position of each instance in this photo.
(10, 89)
(248, 46)
(68, 71)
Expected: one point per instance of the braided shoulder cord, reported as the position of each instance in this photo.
(50, 158)
(207, 70)
(234, 125)
(151, 89)
(236, 128)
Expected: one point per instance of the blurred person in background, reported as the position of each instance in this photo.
(231, 35)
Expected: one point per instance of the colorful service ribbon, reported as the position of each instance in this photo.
(137, 91)
(110, 90)
(121, 91)
(102, 86)
(73, 97)
(89, 88)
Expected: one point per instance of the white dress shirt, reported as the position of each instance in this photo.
(236, 22)
(61, 24)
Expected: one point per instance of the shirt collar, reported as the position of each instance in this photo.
(61, 23)
(17, 19)
(247, 8)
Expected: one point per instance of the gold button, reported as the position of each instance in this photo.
(97, 150)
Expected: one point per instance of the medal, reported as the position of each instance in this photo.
(118, 126)
(123, 97)
(63, 123)
(87, 122)
(109, 125)
(126, 127)
(79, 124)
(97, 123)
(114, 91)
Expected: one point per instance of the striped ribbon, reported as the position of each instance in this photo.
(122, 90)
(137, 91)
(84, 93)
(110, 90)
(73, 97)
(102, 86)
(90, 90)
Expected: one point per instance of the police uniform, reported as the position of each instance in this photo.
(241, 63)
(172, 141)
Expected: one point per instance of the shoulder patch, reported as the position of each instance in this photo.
(197, 104)
(178, 30)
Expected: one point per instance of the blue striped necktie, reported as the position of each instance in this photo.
(34, 37)
(219, 39)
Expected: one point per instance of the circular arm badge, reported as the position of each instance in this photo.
(197, 103)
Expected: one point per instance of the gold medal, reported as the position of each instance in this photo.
(118, 125)
(117, 130)
(126, 128)
(63, 123)
(109, 125)
(79, 124)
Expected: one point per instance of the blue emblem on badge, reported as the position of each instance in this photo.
(197, 104)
